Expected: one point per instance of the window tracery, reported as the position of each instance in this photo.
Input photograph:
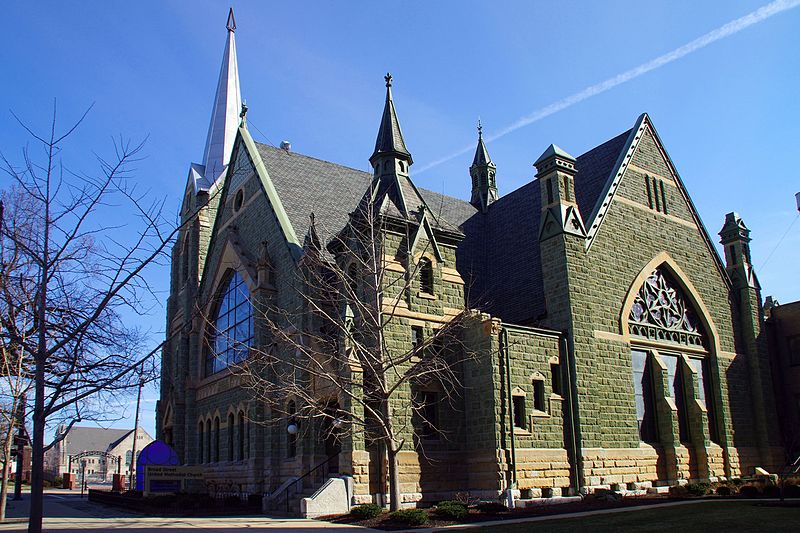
(661, 312)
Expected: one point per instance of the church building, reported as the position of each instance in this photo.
(612, 347)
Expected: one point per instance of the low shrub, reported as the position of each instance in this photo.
(410, 517)
(771, 491)
(737, 482)
(492, 507)
(791, 491)
(451, 510)
(697, 488)
(366, 511)
(58, 481)
(678, 491)
(724, 490)
(466, 499)
(749, 491)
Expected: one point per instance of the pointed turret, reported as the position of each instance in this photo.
(735, 238)
(390, 139)
(482, 171)
(225, 115)
(556, 175)
(391, 160)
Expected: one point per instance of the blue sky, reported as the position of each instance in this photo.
(312, 73)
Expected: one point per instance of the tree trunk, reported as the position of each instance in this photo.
(394, 478)
(37, 454)
(9, 441)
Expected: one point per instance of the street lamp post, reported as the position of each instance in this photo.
(83, 476)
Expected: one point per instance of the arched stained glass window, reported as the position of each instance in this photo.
(661, 312)
(232, 331)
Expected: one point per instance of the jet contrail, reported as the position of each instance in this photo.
(735, 26)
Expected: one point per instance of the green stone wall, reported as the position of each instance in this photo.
(530, 356)
(597, 282)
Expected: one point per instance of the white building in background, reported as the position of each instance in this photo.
(105, 452)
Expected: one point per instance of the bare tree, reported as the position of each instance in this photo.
(84, 239)
(16, 287)
(331, 361)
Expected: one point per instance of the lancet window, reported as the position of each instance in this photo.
(232, 330)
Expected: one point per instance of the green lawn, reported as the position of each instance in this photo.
(738, 517)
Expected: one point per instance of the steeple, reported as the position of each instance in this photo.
(390, 139)
(225, 115)
(482, 171)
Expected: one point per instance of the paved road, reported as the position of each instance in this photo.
(66, 511)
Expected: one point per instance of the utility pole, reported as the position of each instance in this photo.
(132, 473)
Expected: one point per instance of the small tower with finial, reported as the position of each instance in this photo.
(735, 238)
(482, 172)
(391, 157)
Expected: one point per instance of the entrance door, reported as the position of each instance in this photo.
(331, 435)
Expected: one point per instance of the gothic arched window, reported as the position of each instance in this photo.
(661, 312)
(426, 275)
(241, 436)
(230, 436)
(232, 331)
(216, 439)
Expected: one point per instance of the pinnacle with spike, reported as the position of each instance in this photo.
(231, 21)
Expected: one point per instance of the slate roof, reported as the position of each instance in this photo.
(594, 168)
(332, 192)
(499, 256)
(88, 439)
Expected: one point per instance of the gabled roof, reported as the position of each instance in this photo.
(594, 219)
(499, 256)
(509, 281)
(81, 439)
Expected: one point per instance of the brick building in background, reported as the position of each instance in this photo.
(783, 328)
(614, 347)
(104, 451)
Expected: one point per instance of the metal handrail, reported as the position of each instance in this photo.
(299, 481)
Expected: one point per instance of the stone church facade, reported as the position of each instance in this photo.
(614, 348)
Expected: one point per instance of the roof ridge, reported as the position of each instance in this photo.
(277, 149)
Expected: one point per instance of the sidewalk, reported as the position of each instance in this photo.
(65, 511)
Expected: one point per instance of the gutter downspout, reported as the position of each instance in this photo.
(574, 420)
(512, 475)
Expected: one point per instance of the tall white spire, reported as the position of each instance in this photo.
(225, 115)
